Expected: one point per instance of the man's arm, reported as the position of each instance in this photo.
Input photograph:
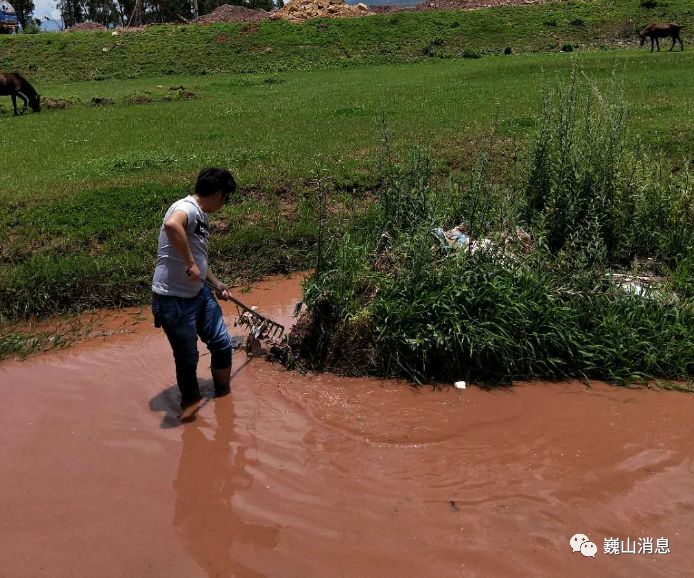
(222, 289)
(175, 228)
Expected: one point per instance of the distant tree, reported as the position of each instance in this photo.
(24, 9)
(33, 26)
(158, 11)
(167, 10)
(101, 11)
(261, 4)
(207, 6)
(71, 11)
(124, 9)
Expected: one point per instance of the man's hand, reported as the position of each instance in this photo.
(223, 291)
(193, 272)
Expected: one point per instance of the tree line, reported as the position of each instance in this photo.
(119, 12)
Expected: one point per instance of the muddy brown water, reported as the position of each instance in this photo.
(318, 476)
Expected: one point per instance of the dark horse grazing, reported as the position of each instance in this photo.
(655, 31)
(15, 85)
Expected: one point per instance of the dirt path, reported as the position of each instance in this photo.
(298, 476)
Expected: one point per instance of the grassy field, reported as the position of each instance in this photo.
(578, 266)
(270, 128)
(275, 46)
(84, 188)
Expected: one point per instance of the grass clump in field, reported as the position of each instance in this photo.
(599, 286)
(21, 343)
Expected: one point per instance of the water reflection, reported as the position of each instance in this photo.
(212, 472)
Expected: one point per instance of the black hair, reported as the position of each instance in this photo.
(213, 180)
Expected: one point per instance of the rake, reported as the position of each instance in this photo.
(259, 327)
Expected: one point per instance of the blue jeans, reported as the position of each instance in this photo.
(183, 320)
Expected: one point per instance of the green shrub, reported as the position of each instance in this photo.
(585, 185)
(390, 300)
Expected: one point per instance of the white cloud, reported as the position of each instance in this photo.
(46, 8)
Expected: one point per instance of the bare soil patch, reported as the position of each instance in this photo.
(88, 25)
(229, 13)
(52, 103)
(473, 4)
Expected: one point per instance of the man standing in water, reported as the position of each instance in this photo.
(181, 305)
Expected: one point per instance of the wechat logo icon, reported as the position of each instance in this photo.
(581, 543)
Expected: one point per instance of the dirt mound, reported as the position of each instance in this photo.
(88, 25)
(51, 103)
(472, 4)
(101, 101)
(300, 10)
(389, 8)
(139, 98)
(229, 13)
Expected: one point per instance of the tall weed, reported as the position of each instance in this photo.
(587, 185)
(591, 203)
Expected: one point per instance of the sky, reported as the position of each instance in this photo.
(45, 8)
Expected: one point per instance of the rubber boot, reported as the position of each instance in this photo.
(221, 378)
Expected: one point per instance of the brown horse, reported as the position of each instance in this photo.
(656, 31)
(15, 85)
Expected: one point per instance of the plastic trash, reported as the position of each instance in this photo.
(460, 385)
(453, 239)
(457, 237)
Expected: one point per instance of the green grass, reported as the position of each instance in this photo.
(390, 301)
(25, 341)
(274, 46)
(22, 344)
(271, 132)
(85, 187)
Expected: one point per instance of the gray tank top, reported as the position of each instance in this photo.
(170, 271)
